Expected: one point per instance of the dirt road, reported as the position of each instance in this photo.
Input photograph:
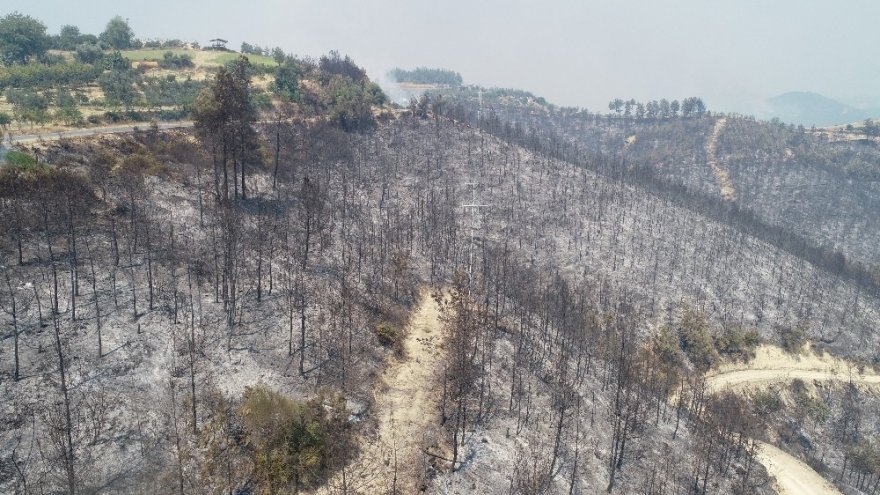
(793, 477)
(772, 365)
(766, 376)
(406, 409)
(722, 176)
(94, 131)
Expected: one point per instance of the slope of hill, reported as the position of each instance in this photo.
(805, 108)
(313, 291)
(394, 201)
(821, 186)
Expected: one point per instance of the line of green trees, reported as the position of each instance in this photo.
(37, 76)
(663, 109)
(24, 39)
(425, 75)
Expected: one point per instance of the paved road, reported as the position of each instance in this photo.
(94, 131)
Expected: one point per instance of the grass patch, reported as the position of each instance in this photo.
(152, 54)
(222, 58)
(292, 444)
(140, 164)
(21, 160)
(200, 57)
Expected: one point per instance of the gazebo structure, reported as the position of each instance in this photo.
(218, 44)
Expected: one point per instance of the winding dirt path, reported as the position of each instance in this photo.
(722, 176)
(90, 132)
(772, 365)
(757, 377)
(406, 408)
(793, 477)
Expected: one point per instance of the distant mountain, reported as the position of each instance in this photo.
(800, 107)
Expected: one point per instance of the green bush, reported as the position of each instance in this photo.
(811, 407)
(171, 60)
(292, 444)
(172, 115)
(766, 402)
(349, 104)
(20, 159)
(89, 53)
(260, 99)
(141, 164)
(695, 340)
(387, 335)
(38, 76)
(792, 339)
(737, 343)
(168, 91)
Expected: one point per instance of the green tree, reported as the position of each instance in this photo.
(279, 55)
(68, 38)
(699, 106)
(687, 107)
(118, 34)
(89, 53)
(425, 75)
(695, 339)
(350, 104)
(224, 114)
(793, 338)
(871, 128)
(375, 94)
(22, 38)
(116, 62)
(28, 105)
(665, 109)
(335, 64)
(287, 78)
(119, 88)
(67, 110)
(616, 105)
(737, 342)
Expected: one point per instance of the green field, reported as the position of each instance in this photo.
(153, 54)
(200, 57)
(224, 57)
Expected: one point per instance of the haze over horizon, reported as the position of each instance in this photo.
(734, 54)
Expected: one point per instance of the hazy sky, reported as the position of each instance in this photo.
(583, 53)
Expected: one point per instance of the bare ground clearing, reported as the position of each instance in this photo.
(722, 176)
(793, 477)
(406, 407)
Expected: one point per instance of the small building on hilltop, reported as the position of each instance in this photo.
(219, 44)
